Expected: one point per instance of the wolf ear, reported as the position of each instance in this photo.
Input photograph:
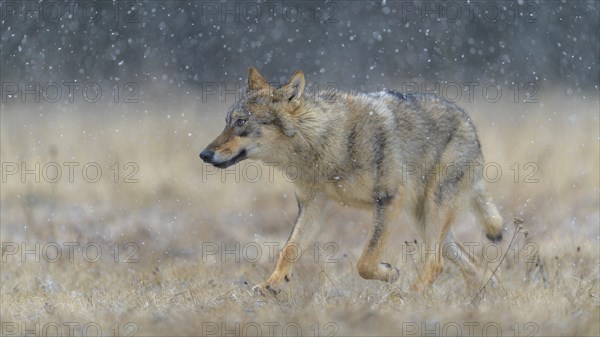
(295, 86)
(255, 80)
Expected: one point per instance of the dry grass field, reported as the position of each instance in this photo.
(162, 245)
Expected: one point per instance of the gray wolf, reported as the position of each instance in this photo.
(373, 147)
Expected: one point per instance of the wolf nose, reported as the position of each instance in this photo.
(207, 155)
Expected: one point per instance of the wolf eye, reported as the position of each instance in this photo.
(240, 122)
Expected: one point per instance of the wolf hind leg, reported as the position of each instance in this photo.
(441, 203)
(435, 225)
(456, 253)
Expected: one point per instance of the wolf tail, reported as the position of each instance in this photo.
(487, 214)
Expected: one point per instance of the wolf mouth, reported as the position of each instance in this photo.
(239, 157)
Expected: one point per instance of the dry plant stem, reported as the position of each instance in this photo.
(518, 224)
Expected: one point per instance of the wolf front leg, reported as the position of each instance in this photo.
(310, 205)
(370, 265)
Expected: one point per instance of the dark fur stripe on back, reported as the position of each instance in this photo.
(400, 95)
(351, 141)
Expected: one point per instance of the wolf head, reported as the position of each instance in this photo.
(259, 124)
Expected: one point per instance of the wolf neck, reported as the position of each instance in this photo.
(314, 122)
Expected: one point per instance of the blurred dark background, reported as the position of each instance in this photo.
(361, 44)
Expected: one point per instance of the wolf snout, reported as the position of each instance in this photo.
(207, 155)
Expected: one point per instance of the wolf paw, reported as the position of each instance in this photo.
(263, 289)
(389, 272)
(271, 287)
(382, 272)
